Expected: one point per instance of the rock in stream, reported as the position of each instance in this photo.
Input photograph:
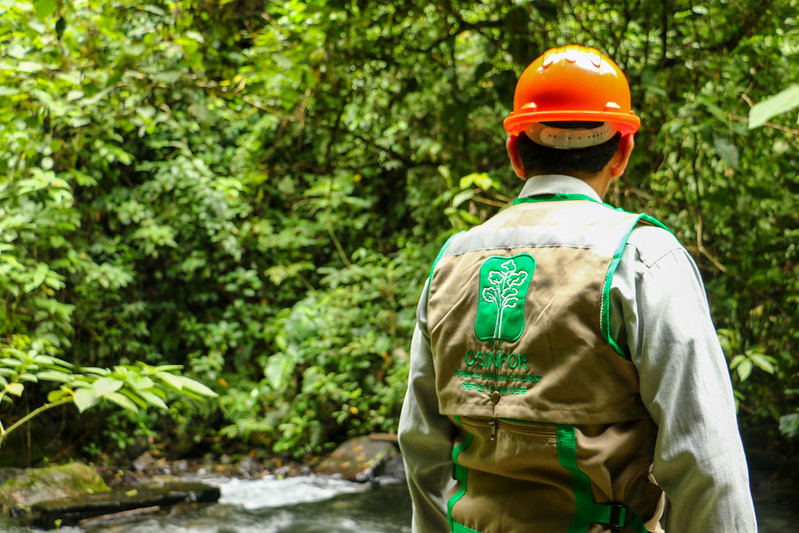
(69, 494)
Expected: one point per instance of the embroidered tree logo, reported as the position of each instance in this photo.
(503, 288)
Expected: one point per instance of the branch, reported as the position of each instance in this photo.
(32, 414)
(714, 260)
(463, 26)
(340, 249)
(767, 124)
(370, 142)
(487, 201)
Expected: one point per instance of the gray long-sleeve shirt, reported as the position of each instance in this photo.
(659, 311)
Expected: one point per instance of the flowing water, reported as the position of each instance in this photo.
(307, 504)
(312, 504)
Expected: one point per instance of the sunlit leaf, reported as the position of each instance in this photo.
(170, 379)
(277, 371)
(152, 399)
(744, 369)
(105, 386)
(85, 398)
(16, 389)
(52, 375)
(763, 362)
(57, 395)
(122, 401)
(30, 66)
(781, 102)
(789, 425)
(726, 151)
(197, 387)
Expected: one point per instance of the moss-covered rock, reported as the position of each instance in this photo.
(72, 511)
(21, 488)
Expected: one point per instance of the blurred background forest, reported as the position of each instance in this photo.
(255, 190)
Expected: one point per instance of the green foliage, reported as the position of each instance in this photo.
(130, 387)
(338, 370)
(255, 191)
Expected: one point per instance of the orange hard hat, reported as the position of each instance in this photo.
(573, 84)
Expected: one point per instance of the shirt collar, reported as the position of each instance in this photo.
(557, 184)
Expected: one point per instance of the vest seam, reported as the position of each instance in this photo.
(649, 265)
(489, 248)
(457, 527)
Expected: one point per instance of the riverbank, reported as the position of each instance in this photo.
(358, 459)
(71, 493)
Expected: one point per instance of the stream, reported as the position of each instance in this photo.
(313, 504)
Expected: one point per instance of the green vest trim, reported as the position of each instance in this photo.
(581, 483)
(554, 198)
(588, 512)
(614, 264)
(441, 254)
(604, 323)
(459, 474)
(618, 517)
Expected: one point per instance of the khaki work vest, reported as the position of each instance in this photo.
(553, 436)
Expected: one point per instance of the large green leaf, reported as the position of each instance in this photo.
(781, 102)
(196, 387)
(85, 398)
(152, 399)
(105, 386)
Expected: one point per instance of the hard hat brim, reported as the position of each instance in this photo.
(624, 122)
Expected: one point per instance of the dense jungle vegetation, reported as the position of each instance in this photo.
(255, 190)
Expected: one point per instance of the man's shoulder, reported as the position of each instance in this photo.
(651, 243)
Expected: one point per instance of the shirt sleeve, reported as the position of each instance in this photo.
(660, 311)
(425, 436)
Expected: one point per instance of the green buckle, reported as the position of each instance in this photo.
(618, 517)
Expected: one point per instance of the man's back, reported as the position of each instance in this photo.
(547, 410)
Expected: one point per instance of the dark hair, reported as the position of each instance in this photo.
(538, 158)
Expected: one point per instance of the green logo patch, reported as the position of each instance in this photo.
(503, 289)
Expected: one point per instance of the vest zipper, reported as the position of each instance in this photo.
(518, 427)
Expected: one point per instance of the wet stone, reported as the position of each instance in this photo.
(21, 488)
(360, 459)
(72, 511)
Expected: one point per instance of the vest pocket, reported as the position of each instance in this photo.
(511, 483)
(501, 460)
